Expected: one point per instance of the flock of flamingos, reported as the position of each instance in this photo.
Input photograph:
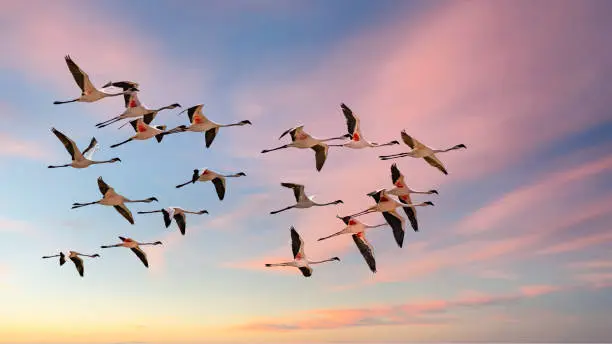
(198, 122)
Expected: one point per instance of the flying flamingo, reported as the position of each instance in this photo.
(144, 131)
(357, 229)
(89, 93)
(302, 200)
(387, 206)
(80, 160)
(402, 191)
(176, 213)
(419, 150)
(135, 247)
(217, 179)
(200, 123)
(111, 198)
(74, 257)
(299, 258)
(301, 139)
(357, 140)
(134, 108)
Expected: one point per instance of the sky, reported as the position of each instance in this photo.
(518, 247)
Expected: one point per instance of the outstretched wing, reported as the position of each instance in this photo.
(219, 183)
(396, 175)
(366, 250)
(433, 161)
(180, 221)
(411, 141)
(298, 190)
(352, 123)
(306, 271)
(125, 212)
(141, 255)
(210, 136)
(195, 114)
(376, 195)
(148, 118)
(410, 211)
(91, 149)
(297, 244)
(397, 225)
(70, 146)
(168, 214)
(320, 154)
(131, 99)
(104, 188)
(78, 262)
(81, 78)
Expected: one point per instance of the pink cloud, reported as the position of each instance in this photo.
(591, 264)
(20, 148)
(537, 290)
(448, 78)
(422, 312)
(579, 243)
(540, 193)
(36, 42)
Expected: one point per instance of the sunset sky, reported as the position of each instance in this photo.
(518, 246)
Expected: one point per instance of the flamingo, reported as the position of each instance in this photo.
(301, 139)
(134, 108)
(402, 191)
(135, 247)
(299, 258)
(177, 213)
(302, 200)
(144, 131)
(200, 123)
(74, 257)
(80, 160)
(217, 179)
(111, 198)
(419, 150)
(357, 230)
(357, 140)
(89, 93)
(387, 206)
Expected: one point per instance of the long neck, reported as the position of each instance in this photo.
(321, 261)
(324, 204)
(126, 200)
(422, 192)
(390, 143)
(56, 255)
(233, 175)
(376, 226)
(448, 149)
(147, 243)
(103, 162)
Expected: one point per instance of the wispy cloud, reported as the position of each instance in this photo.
(14, 147)
(579, 243)
(415, 313)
